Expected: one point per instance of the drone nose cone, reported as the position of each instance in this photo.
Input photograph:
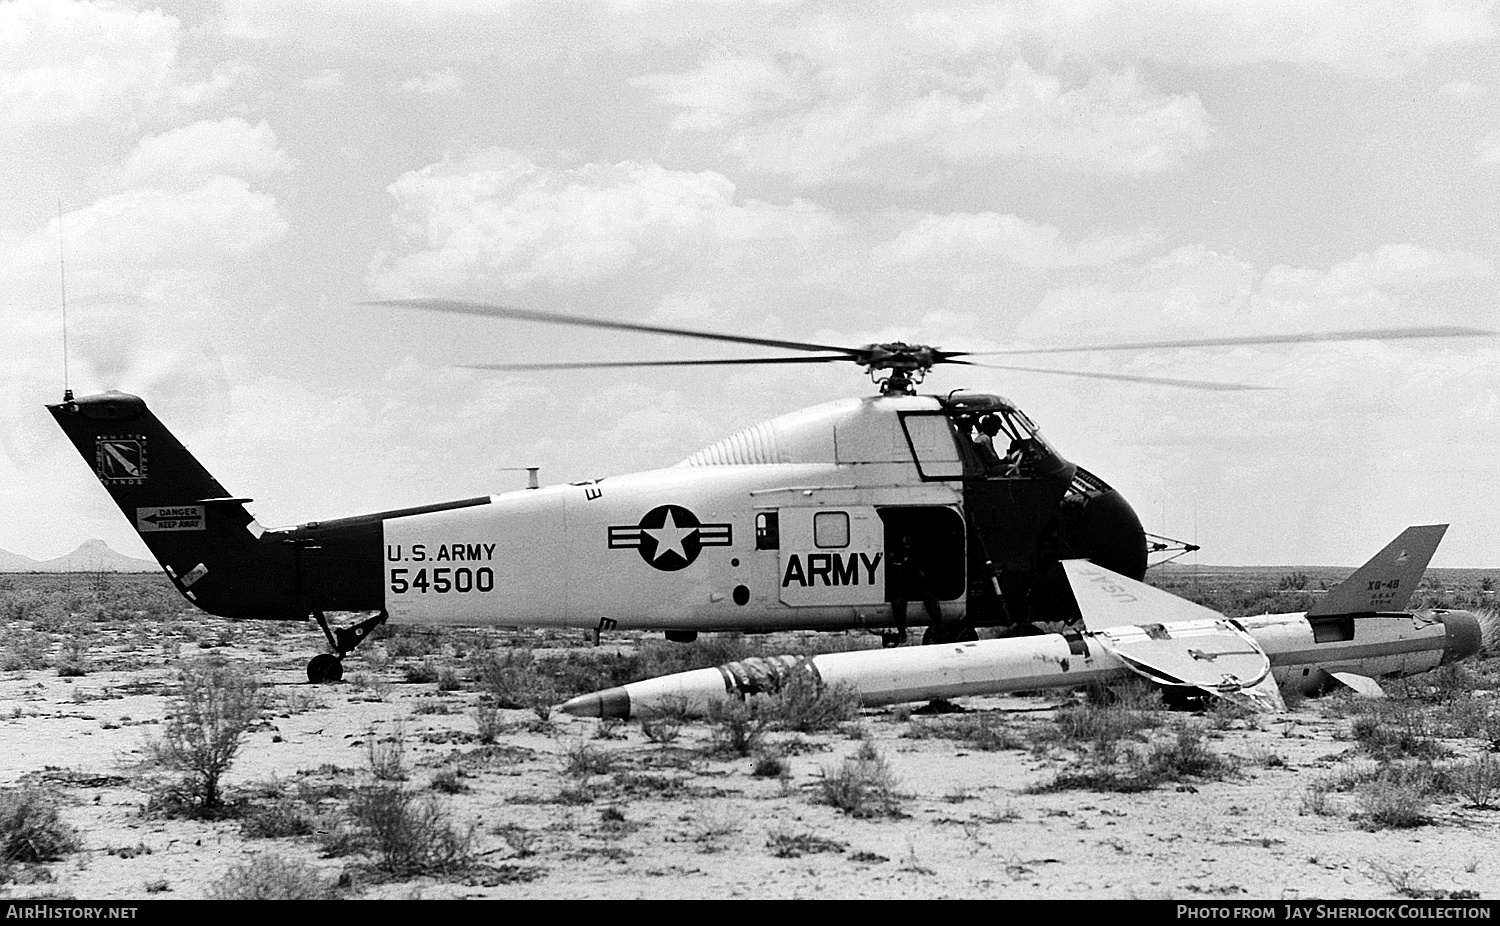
(1465, 636)
(609, 704)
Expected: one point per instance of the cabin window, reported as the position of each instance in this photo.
(831, 529)
(767, 531)
(932, 445)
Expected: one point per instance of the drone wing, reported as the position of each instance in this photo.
(1169, 640)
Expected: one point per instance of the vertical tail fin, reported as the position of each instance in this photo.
(1387, 581)
(206, 541)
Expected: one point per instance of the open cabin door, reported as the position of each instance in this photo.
(937, 551)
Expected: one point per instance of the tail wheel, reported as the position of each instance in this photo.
(325, 667)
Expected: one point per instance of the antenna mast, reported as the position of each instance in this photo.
(62, 271)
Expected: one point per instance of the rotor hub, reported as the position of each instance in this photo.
(908, 365)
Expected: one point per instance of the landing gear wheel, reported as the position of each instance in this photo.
(325, 667)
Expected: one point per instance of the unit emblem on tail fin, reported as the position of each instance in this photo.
(121, 460)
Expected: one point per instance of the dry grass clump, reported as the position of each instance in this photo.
(863, 786)
(736, 725)
(271, 877)
(1397, 728)
(663, 723)
(784, 843)
(1126, 771)
(278, 820)
(804, 705)
(1397, 798)
(986, 732)
(408, 834)
(1478, 780)
(387, 754)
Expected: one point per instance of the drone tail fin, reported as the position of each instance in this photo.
(1387, 581)
(206, 541)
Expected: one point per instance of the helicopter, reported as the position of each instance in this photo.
(832, 518)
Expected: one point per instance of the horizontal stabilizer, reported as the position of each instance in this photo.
(1387, 581)
(1107, 599)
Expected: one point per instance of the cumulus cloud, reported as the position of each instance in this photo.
(500, 218)
(1489, 152)
(963, 243)
(808, 118)
(1465, 90)
(201, 150)
(1197, 292)
(436, 83)
(64, 62)
(1377, 37)
(326, 79)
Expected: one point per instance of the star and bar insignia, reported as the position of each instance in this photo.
(670, 537)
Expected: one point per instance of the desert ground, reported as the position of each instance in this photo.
(436, 770)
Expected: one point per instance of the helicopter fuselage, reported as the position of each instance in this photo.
(790, 524)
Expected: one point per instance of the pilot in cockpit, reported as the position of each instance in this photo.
(984, 441)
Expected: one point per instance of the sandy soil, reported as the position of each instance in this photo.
(673, 821)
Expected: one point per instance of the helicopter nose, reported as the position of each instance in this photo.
(1465, 636)
(1108, 532)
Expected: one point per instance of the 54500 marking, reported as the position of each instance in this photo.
(444, 579)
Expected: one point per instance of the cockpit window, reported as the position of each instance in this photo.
(1003, 441)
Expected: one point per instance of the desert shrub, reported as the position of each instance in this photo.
(31, 830)
(805, 705)
(785, 843)
(216, 702)
(1129, 771)
(863, 786)
(407, 641)
(736, 725)
(410, 835)
(449, 781)
(515, 680)
(487, 723)
(664, 658)
(74, 661)
(1186, 755)
(664, 721)
(422, 673)
(1478, 780)
(582, 760)
(1394, 729)
(278, 820)
(771, 766)
(1106, 719)
(271, 877)
(24, 649)
(1394, 802)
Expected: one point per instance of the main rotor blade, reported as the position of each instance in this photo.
(1124, 377)
(489, 310)
(589, 365)
(1309, 337)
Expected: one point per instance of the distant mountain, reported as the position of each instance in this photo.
(91, 556)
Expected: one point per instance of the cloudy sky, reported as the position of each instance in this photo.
(236, 178)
